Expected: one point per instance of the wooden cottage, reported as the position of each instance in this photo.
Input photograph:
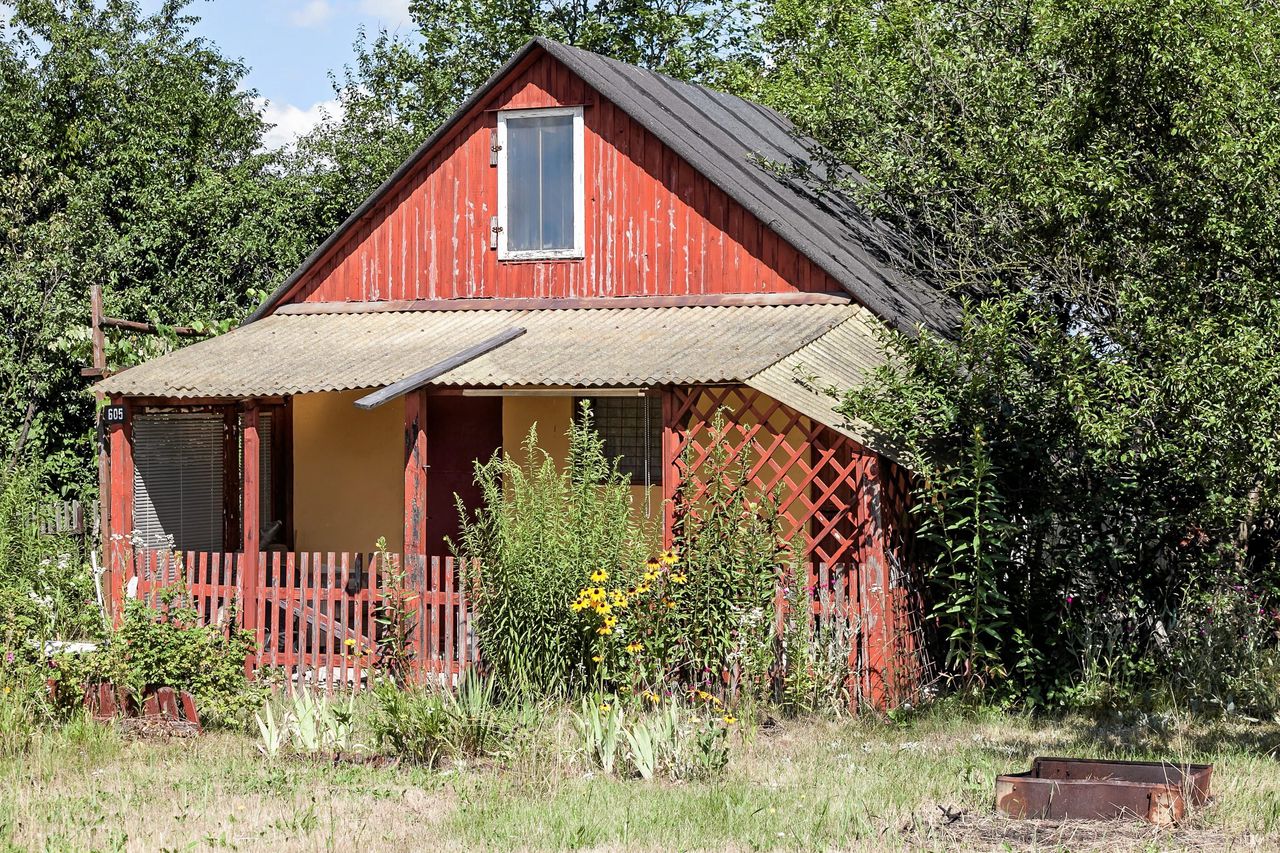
(580, 228)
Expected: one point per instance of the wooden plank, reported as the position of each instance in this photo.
(120, 526)
(343, 603)
(422, 377)
(250, 523)
(451, 618)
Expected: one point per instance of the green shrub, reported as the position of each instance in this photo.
(46, 590)
(167, 647)
(708, 605)
(540, 535)
(410, 723)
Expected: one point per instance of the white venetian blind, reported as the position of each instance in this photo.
(177, 480)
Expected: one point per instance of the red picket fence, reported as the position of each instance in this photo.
(315, 616)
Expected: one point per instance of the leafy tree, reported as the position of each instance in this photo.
(130, 158)
(1098, 180)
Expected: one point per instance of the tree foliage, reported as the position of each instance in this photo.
(1098, 180)
(130, 158)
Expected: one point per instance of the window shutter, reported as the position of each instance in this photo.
(177, 480)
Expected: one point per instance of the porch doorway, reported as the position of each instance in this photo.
(460, 430)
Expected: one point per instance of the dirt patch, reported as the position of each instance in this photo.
(978, 833)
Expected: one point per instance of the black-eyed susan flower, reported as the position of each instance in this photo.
(635, 647)
(729, 719)
(599, 576)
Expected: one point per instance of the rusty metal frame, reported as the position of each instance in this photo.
(1086, 789)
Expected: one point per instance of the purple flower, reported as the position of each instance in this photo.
(10, 657)
(1070, 598)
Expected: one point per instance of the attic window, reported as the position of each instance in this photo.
(540, 184)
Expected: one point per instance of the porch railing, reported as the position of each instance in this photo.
(317, 618)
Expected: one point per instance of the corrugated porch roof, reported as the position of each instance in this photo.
(791, 352)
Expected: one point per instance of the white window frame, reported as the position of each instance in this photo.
(579, 188)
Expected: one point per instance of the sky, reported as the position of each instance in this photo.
(290, 46)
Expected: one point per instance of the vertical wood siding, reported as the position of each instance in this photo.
(653, 225)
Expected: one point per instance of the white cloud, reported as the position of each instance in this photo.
(313, 14)
(392, 14)
(292, 122)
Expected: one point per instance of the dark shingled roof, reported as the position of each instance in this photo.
(737, 145)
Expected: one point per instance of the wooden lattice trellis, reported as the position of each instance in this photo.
(843, 506)
(814, 470)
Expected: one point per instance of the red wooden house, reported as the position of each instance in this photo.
(579, 228)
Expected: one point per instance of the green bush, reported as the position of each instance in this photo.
(540, 535)
(46, 591)
(167, 647)
(707, 605)
(424, 725)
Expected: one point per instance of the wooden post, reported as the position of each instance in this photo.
(118, 530)
(873, 579)
(99, 365)
(670, 470)
(415, 478)
(416, 559)
(250, 523)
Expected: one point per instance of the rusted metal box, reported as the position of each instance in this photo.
(1061, 788)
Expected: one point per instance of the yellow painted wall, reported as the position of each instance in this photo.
(348, 473)
(553, 416)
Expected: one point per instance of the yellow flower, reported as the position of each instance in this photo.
(635, 646)
(604, 630)
(652, 564)
(670, 558)
(350, 641)
(671, 605)
(597, 658)
(729, 719)
(599, 576)
(650, 696)
(642, 589)
(603, 607)
(605, 706)
(679, 578)
(610, 621)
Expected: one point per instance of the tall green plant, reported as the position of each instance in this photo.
(963, 517)
(728, 538)
(542, 531)
(46, 591)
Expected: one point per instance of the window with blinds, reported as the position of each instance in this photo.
(178, 479)
(631, 428)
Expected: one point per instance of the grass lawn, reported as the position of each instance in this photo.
(849, 784)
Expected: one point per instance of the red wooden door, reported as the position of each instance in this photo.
(460, 430)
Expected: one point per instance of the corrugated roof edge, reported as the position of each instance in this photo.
(865, 433)
(569, 56)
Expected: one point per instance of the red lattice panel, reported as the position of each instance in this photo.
(816, 472)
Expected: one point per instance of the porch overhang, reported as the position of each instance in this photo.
(799, 354)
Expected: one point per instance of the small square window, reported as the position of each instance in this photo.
(540, 184)
(632, 431)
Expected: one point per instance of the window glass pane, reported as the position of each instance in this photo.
(539, 183)
(631, 428)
